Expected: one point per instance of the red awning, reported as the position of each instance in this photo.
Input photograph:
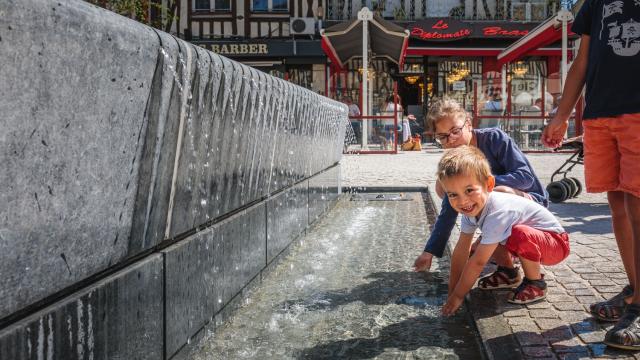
(544, 34)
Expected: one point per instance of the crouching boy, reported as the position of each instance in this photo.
(525, 228)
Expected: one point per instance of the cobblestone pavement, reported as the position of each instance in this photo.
(559, 327)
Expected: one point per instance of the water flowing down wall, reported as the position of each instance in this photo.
(146, 181)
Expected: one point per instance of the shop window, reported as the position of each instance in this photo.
(301, 75)
(212, 5)
(457, 78)
(269, 5)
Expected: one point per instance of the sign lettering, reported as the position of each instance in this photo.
(435, 35)
(239, 49)
(499, 31)
(435, 29)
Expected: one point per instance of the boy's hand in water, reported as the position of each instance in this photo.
(451, 306)
(423, 262)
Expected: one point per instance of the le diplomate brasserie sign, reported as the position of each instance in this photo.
(452, 30)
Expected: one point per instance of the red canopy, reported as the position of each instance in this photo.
(544, 34)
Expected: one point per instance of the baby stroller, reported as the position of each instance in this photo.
(567, 187)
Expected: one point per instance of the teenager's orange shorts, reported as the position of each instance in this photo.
(612, 154)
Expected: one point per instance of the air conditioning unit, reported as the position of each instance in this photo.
(302, 25)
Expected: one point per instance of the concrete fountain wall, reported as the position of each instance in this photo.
(145, 182)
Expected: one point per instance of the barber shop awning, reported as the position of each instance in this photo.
(343, 42)
(544, 34)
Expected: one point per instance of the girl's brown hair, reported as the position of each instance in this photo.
(445, 108)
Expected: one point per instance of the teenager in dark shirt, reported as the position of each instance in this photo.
(511, 169)
(608, 61)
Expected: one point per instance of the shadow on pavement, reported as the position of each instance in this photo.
(584, 218)
(563, 340)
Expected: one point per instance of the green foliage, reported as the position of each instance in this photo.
(150, 12)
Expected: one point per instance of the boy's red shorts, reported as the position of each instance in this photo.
(545, 247)
(612, 154)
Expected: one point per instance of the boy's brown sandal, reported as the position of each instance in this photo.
(612, 309)
(500, 279)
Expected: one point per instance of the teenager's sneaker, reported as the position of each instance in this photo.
(502, 278)
(626, 333)
(529, 291)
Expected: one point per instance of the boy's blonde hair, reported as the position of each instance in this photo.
(445, 108)
(464, 160)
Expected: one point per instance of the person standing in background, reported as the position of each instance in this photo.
(608, 62)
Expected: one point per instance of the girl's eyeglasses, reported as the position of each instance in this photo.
(453, 134)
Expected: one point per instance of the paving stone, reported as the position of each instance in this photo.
(584, 270)
(531, 327)
(520, 321)
(571, 346)
(572, 316)
(592, 337)
(608, 289)
(624, 281)
(589, 299)
(563, 306)
(560, 298)
(599, 245)
(576, 285)
(574, 356)
(516, 313)
(539, 305)
(586, 326)
(600, 281)
(543, 314)
(556, 335)
(570, 279)
(581, 292)
(537, 351)
(549, 276)
(557, 290)
(547, 324)
(618, 275)
(591, 276)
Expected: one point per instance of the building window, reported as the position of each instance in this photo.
(270, 5)
(223, 5)
(280, 5)
(212, 5)
(202, 5)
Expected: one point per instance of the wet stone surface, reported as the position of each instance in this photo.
(346, 290)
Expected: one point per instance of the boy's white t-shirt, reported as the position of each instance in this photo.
(502, 211)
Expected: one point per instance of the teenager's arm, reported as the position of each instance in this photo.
(459, 259)
(554, 132)
(472, 269)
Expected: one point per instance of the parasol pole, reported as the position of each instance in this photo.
(564, 16)
(365, 15)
